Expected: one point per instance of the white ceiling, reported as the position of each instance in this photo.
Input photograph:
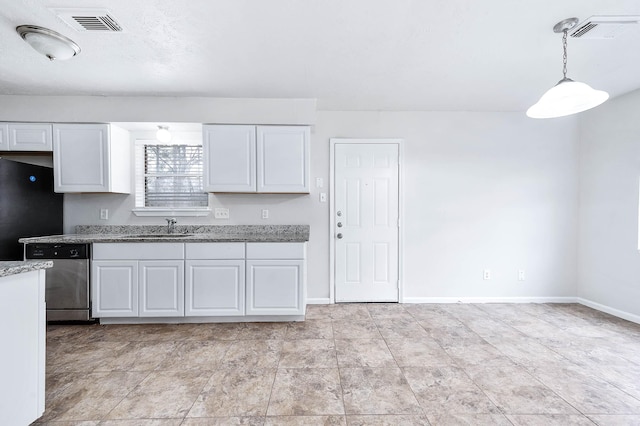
(473, 55)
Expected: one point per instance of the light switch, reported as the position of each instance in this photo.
(104, 214)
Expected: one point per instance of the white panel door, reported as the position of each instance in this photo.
(366, 222)
(30, 137)
(81, 157)
(114, 288)
(275, 287)
(283, 159)
(229, 158)
(161, 284)
(214, 287)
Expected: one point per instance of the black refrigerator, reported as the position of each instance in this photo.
(28, 206)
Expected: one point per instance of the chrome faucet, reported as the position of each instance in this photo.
(171, 224)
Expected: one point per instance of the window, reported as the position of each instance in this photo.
(169, 177)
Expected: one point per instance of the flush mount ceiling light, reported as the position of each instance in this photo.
(163, 134)
(51, 44)
(568, 96)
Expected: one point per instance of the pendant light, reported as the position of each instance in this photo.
(163, 134)
(568, 96)
(51, 44)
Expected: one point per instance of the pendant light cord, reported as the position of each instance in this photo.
(564, 56)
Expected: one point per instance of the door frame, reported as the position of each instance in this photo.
(332, 262)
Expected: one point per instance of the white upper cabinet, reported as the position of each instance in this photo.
(25, 137)
(91, 158)
(256, 158)
(4, 137)
(283, 158)
(229, 158)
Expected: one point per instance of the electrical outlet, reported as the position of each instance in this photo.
(323, 197)
(319, 182)
(486, 274)
(265, 214)
(521, 275)
(104, 214)
(221, 213)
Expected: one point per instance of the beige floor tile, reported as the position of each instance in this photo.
(549, 420)
(388, 420)
(235, 392)
(224, 421)
(338, 311)
(203, 356)
(162, 394)
(86, 357)
(397, 328)
(141, 356)
(214, 331)
(364, 353)
(387, 310)
(251, 354)
(262, 331)
(615, 420)
(377, 391)
(308, 353)
(481, 356)
(418, 353)
(453, 336)
(447, 390)
(587, 393)
(306, 392)
(142, 422)
(306, 421)
(145, 332)
(309, 329)
(468, 420)
(355, 329)
(515, 391)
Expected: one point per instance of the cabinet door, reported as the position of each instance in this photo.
(283, 158)
(214, 287)
(114, 288)
(161, 288)
(30, 137)
(80, 157)
(275, 287)
(4, 137)
(229, 158)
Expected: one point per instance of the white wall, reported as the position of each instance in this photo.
(482, 190)
(609, 261)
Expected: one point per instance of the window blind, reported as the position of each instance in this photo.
(173, 176)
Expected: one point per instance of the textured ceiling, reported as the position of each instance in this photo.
(489, 55)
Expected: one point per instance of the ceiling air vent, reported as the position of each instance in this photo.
(604, 27)
(89, 19)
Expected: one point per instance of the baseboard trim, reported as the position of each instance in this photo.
(490, 300)
(609, 310)
(319, 301)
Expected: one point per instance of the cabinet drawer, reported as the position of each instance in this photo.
(276, 250)
(138, 251)
(214, 250)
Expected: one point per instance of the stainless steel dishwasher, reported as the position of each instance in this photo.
(67, 291)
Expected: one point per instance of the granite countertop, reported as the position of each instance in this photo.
(17, 267)
(184, 233)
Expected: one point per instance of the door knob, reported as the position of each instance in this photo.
(339, 236)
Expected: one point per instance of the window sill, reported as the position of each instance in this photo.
(171, 212)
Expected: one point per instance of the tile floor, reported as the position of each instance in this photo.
(353, 364)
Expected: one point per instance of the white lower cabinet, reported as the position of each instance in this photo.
(114, 288)
(275, 279)
(161, 285)
(198, 279)
(274, 287)
(214, 287)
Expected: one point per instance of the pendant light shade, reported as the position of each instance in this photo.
(568, 96)
(51, 44)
